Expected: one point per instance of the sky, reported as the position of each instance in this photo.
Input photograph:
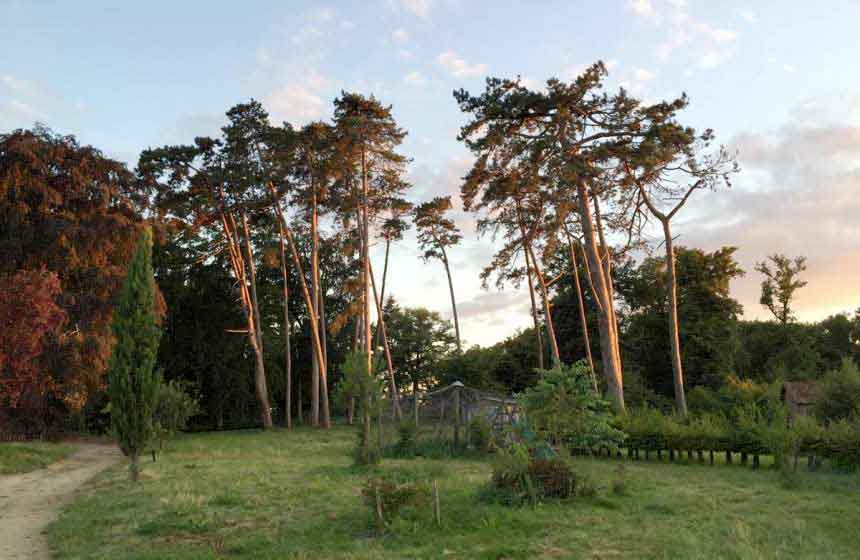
(776, 80)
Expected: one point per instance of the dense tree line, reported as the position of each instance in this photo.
(262, 240)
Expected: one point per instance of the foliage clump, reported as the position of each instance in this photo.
(389, 494)
(563, 408)
(840, 393)
(520, 477)
(175, 406)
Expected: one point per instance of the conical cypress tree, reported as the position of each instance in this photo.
(132, 379)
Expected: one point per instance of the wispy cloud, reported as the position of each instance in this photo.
(415, 79)
(420, 8)
(456, 66)
(399, 36)
(797, 195)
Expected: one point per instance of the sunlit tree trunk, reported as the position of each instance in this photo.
(538, 337)
(316, 371)
(314, 322)
(674, 337)
(603, 298)
(582, 317)
(365, 266)
(395, 402)
(453, 299)
(550, 328)
(288, 361)
(251, 311)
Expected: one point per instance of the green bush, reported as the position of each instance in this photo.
(840, 393)
(842, 444)
(563, 407)
(174, 407)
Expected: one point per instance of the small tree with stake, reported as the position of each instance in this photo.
(132, 379)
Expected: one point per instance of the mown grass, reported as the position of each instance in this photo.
(25, 457)
(296, 495)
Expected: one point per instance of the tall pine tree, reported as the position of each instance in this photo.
(132, 379)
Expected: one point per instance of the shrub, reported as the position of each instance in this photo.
(563, 407)
(395, 492)
(645, 428)
(480, 434)
(701, 399)
(173, 408)
(842, 444)
(840, 393)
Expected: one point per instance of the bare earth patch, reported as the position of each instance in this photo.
(31, 501)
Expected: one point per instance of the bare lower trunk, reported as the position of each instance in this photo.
(260, 385)
(547, 311)
(606, 259)
(605, 314)
(365, 265)
(674, 337)
(395, 403)
(582, 318)
(288, 362)
(134, 466)
(538, 337)
(324, 344)
(415, 401)
(315, 335)
(382, 291)
(316, 366)
(453, 300)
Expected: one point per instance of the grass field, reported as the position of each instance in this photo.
(25, 457)
(296, 495)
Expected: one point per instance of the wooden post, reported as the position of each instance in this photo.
(379, 517)
(437, 513)
(456, 418)
(728, 457)
(711, 452)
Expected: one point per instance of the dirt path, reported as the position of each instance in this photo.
(30, 501)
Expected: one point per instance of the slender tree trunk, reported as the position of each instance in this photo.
(299, 412)
(134, 465)
(453, 300)
(606, 259)
(260, 385)
(415, 401)
(550, 328)
(674, 337)
(538, 337)
(324, 344)
(365, 249)
(315, 362)
(395, 402)
(582, 318)
(605, 315)
(288, 361)
(382, 290)
(315, 335)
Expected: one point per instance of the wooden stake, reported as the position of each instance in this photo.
(436, 510)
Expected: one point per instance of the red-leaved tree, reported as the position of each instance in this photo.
(30, 318)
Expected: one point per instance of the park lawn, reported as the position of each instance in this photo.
(295, 495)
(25, 457)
